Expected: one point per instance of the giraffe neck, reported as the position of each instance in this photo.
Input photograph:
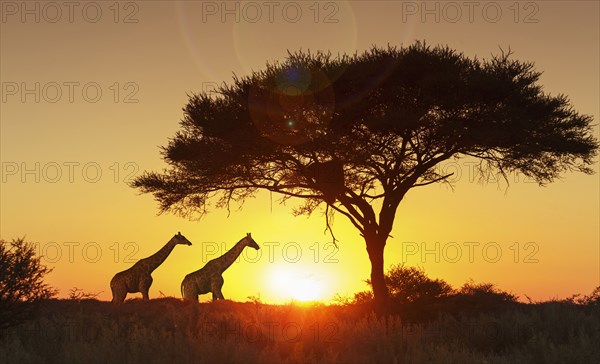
(156, 259)
(227, 259)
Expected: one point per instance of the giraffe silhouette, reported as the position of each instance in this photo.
(139, 277)
(210, 277)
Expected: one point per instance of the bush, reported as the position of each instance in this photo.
(415, 296)
(21, 281)
(409, 285)
(488, 290)
(593, 299)
(364, 297)
(478, 298)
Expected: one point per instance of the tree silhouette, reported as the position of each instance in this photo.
(21, 281)
(412, 285)
(415, 296)
(409, 285)
(355, 133)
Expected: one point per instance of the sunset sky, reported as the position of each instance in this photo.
(91, 90)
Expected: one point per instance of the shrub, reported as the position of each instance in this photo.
(21, 281)
(593, 299)
(470, 288)
(409, 285)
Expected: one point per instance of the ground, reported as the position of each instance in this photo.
(168, 330)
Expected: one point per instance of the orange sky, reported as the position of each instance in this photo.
(90, 92)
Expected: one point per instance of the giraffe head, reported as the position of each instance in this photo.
(180, 239)
(250, 242)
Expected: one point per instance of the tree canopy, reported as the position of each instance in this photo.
(348, 130)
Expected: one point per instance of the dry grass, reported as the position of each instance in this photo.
(168, 330)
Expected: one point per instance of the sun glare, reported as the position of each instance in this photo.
(290, 285)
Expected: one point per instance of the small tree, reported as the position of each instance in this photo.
(593, 299)
(355, 133)
(409, 285)
(486, 290)
(21, 281)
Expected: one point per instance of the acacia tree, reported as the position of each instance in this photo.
(354, 134)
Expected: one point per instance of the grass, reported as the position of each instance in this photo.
(168, 330)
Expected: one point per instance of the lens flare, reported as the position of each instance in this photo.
(293, 106)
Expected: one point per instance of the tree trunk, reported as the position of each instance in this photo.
(375, 247)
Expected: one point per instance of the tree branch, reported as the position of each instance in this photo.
(328, 225)
(350, 217)
(433, 180)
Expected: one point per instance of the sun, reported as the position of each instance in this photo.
(294, 285)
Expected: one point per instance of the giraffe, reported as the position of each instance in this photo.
(210, 277)
(138, 278)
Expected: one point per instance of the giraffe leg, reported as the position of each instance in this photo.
(183, 289)
(145, 283)
(114, 293)
(119, 291)
(216, 285)
(189, 290)
(119, 294)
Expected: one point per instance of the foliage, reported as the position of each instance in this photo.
(587, 300)
(416, 296)
(363, 297)
(384, 118)
(408, 285)
(356, 131)
(169, 330)
(471, 288)
(77, 294)
(411, 285)
(21, 281)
